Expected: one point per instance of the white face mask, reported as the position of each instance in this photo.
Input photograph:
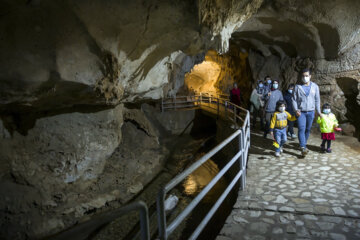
(306, 79)
(281, 109)
(261, 85)
(326, 110)
(269, 81)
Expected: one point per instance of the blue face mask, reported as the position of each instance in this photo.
(261, 85)
(290, 91)
(269, 81)
(326, 110)
(275, 85)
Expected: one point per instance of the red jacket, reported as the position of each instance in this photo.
(235, 96)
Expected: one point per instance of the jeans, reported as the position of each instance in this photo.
(268, 116)
(304, 125)
(291, 127)
(258, 113)
(280, 137)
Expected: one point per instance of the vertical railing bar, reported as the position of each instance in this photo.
(161, 214)
(215, 207)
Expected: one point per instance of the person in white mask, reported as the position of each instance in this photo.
(305, 100)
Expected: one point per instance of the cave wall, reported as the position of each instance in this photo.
(68, 67)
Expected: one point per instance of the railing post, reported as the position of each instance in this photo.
(162, 104)
(175, 102)
(241, 148)
(226, 106)
(144, 222)
(161, 214)
(218, 107)
(234, 107)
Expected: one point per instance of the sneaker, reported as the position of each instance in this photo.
(289, 134)
(281, 150)
(328, 150)
(293, 136)
(277, 154)
(304, 151)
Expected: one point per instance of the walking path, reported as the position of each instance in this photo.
(317, 197)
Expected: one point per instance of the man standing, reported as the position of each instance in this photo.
(305, 100)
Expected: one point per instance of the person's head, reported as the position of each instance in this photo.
(326, 108)
(275, 84)
(306, 75)
(235, 85)
(291, 88)
(260, 83)
(280, 106)
(267, 80)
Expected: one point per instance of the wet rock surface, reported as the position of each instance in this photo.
(316, 197)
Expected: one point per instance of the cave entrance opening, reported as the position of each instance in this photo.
(218, 72)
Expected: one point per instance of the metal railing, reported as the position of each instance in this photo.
(221, 107)
(83, 230)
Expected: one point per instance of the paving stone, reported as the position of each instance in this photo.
(325, 225)
(255, 214)
(240, 219)
(280, 199)
(290, 229)
(310, 217)
(337, 236)
(277, 230)
(299, 223)
(259, 227)
(286, 209)
(306, 194)
(338, 211)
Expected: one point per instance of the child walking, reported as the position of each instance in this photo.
(327, 124)
(278, 126)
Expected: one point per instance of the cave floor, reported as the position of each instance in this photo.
(316, 197)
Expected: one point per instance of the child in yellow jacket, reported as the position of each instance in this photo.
(327, 124)
(278, 125)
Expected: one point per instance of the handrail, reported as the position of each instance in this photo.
(83, 230)
(222, 106)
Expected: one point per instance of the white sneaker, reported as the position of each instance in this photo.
(277, 154)
(293, 135)
(289, 134)
(281, 150)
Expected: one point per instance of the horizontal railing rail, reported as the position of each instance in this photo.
(221, 106)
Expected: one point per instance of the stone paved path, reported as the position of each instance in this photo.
(317, 197)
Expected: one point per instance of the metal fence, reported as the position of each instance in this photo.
(234, 113)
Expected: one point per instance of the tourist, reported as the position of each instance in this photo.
(306, 99)
(327, 124)
(267, 84)
(289, 107)
(271, 98)
(235, 95)
(257, 104)
(278, 126)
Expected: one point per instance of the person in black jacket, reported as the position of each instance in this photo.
(289, 107)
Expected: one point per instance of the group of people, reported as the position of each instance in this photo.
(278, 112)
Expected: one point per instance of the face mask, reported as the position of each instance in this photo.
(269, 81)
(281, 109)
(306, 79)
(261, 85)
(326, 110)
(290, 91)
(275, 86)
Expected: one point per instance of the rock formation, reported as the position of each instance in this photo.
(74, 75)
